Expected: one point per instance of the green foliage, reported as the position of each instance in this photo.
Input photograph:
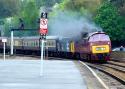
(30, 15)
(109, 19)
(13, 23)
(118, 3)
(47, 3)
(121, 6)
(78, 5)
(9, 8)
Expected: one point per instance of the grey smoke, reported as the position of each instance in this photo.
(67, 25)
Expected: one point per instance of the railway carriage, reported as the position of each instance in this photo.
(31, 45)
(64, 47)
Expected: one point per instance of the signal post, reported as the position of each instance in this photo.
(43, 31)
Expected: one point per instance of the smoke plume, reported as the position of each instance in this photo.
(66, 25)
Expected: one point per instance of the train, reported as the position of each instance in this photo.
(91, 46)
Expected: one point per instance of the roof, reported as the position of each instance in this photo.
(93, 33)
(37, 37)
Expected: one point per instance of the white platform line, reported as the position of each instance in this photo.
(103, 84)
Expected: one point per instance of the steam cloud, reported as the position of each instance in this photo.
(67, 25)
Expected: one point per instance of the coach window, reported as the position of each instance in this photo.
(23, 43)
(45, 43)
(31, 43)
(34, 43)
(50, 44)
(37, 43)
(27, 43)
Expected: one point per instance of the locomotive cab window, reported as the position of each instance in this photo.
(99, 37)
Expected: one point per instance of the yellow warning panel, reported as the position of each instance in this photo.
(100, 49)
(72, 48)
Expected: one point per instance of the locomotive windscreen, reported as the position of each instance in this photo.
(99, 37)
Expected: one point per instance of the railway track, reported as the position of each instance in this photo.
(117, 63)
(115, 70)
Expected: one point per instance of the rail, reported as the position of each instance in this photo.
(118, 56)
(116, 72)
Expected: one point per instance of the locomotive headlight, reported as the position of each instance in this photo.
(97, 49)
(108, 42)
(91, 44)
(103, 48)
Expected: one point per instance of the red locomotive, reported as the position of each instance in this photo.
(93, 46)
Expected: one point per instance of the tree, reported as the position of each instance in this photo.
(47, 3)
(120, 5)
(109, 19)
(9, 8)
(30, 15)
(76, 5)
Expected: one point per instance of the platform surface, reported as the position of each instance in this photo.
(25, 74)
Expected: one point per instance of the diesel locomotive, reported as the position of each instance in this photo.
(94, 46)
